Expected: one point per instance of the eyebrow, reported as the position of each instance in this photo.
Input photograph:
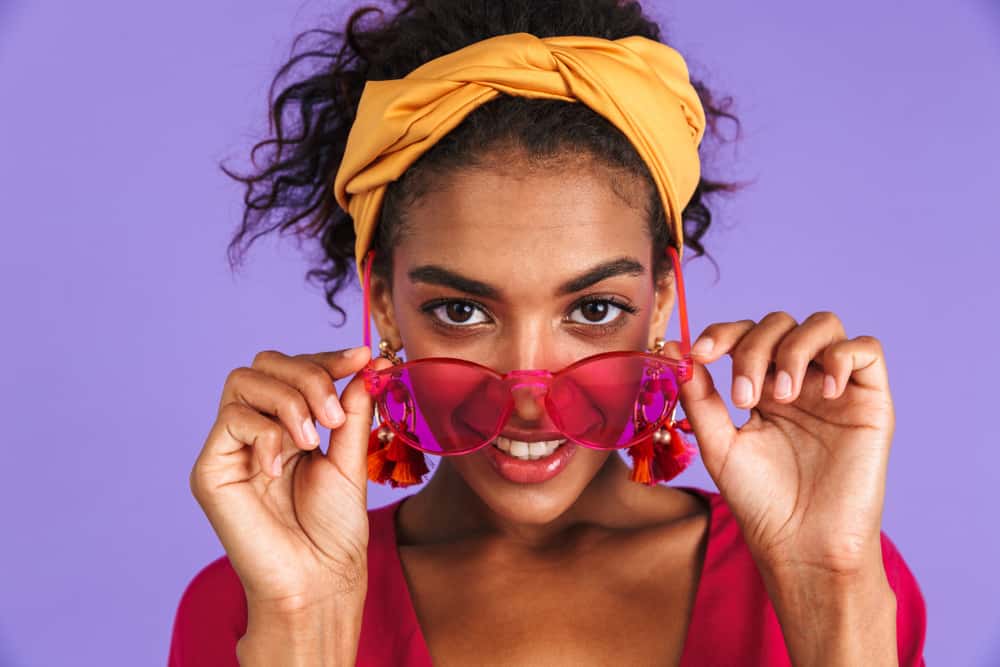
(433, 274)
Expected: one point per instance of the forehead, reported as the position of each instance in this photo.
(503, 224)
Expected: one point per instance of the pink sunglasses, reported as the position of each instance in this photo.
(447, 407)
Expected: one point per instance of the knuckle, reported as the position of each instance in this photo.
(750, 358)
(316, 380)
(779, 316)
(792, 357)
(229, 412)
(265, 447)
(193, 480)
(238, 375)
(836, 355)
(823, 316)
(270, 435)
(871, 341)
(265, 357)
(292, 404)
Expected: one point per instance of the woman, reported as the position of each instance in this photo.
(517, 231)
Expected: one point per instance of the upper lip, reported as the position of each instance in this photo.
(533, 436)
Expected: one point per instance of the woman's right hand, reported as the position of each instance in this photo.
(293, 520)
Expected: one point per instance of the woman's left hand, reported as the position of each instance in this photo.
(805, 475)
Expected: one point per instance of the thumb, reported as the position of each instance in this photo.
(707, 413)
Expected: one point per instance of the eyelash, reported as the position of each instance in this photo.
(430, 307)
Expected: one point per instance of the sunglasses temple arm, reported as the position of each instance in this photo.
(365, 288)
(681, 301)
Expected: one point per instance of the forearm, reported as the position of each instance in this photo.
(836, 620)
(324, 635)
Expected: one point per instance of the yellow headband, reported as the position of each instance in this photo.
(638, 84)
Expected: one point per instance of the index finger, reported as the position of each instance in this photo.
(340, 363)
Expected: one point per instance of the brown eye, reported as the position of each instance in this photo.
(601, 311)
(459, 311)
(595, 311)
(455, 313)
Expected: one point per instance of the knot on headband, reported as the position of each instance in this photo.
(640, 85)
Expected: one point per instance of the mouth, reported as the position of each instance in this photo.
(526, 462)
(527, 451)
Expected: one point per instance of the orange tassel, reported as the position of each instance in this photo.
(390, 461)
(397, 450)
(657, 461)
(674, 456)
(642, 460)
(377, 462)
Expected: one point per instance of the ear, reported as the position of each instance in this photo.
(665, 296)
(382, 310)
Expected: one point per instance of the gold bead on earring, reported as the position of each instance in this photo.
(386, 351)
(657, 346)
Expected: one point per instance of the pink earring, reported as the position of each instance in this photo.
(664, 453)
(390, 460)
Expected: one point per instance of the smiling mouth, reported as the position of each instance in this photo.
(527, 451)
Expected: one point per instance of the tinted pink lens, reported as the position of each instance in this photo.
(612, 401)
(446, 407)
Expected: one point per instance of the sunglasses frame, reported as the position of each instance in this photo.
(682, 367)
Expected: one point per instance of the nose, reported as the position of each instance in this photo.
(529, 401)
(531, 346)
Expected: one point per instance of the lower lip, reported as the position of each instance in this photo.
(530, 472)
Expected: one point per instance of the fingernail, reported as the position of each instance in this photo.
(276, 466)
(703, 346)
(334, 411)
(742, 390)
(829, 386)
(783, 385)
(309, 432)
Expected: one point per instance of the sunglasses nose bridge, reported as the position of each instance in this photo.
(528, 377)
(528, 390)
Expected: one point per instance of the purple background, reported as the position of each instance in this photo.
(871, 131)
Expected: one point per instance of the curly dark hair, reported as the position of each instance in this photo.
(311, 117)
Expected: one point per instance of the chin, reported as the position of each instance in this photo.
(532, 503)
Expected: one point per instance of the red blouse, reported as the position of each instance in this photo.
(733, 621)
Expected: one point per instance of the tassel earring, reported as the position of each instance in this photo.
(390, 460)
(664, 453)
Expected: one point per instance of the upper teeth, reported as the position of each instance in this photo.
(527, 451)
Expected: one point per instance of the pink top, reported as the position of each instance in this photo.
(733, 621)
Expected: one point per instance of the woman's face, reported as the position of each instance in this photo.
(517, 271)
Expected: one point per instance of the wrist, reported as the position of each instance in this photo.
(323, 633)
(833, 618)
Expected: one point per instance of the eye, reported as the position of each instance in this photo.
(455, 313)
(597, 311)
